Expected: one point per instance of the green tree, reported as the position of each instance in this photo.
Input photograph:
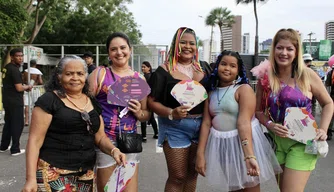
(65, 21)
(256, 47)
(221, 17)
(24, 19)
(89, 23)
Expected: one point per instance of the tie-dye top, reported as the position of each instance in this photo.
(287, 97)
(112, 123)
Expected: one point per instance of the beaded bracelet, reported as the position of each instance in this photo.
(250, 157)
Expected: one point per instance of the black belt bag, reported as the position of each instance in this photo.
(129, 142)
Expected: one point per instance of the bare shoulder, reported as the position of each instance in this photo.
(245, 89)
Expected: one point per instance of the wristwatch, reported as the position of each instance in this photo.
(170, 116)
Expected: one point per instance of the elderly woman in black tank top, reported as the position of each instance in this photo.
(65, 127)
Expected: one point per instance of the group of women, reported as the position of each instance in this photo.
(74, 127)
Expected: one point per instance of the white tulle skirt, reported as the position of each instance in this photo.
(225, 165)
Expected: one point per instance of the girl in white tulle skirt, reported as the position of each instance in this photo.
(233, 152)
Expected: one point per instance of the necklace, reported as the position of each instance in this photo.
(84, 114)
(186, 69)
(219, 100)
(81, 109)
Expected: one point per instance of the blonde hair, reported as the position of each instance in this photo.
(298, 68)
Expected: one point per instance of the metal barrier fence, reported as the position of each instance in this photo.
(38, 90)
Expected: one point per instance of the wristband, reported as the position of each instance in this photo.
(112, 151)
(250, 157)
(268, 123)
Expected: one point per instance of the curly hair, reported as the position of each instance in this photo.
(241, 69)
(54, 84)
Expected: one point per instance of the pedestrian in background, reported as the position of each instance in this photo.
(12, 99)
(35, 79)
(88, 57)
(146, 68)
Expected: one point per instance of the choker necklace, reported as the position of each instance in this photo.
(219, 100)
(186, 69)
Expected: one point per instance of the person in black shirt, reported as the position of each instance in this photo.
(88, 57)
(66, 126)
(330, 83)
(12, 99)
(147, 70)
(178, 126)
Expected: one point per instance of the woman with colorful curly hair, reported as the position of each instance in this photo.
(178, 127)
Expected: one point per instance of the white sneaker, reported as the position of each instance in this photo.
(19, 153)
(2, 151)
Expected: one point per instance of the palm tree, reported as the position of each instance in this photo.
(256, 48)
(223, 18)
(209, 21)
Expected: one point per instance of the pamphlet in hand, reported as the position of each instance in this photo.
(189, 93)
(120, 177)
(301, 124)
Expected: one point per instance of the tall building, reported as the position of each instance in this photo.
(232, 36)
(206, 50)
(245, 43)
(265, 45)
(329, 30)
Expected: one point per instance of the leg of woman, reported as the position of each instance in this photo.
(279, 177)
(132, 186)
(102, 177)
(253, 189)
(294, 181)
(190, 185)
(143, 130)
(154, 126)
(177, 165)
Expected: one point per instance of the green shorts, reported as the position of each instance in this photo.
(291, 154)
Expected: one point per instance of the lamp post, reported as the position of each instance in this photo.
(211, 41)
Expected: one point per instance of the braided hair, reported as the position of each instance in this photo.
(175, 50)
(241, 78)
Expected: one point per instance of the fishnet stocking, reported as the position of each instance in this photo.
(190, 185)
(181, 175)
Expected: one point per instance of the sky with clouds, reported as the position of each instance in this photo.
(159, 19)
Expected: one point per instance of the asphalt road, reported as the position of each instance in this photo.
(153, 171)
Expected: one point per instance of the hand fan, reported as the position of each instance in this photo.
(189, 93)
(301, 124)
(120, 177)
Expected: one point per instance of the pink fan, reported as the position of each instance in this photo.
(126, 88)
(189, 93)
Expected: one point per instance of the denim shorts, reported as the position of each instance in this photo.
(179, 133)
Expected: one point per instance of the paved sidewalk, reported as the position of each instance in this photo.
(153, 171)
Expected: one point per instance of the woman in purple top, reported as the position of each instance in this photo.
(119, 51)
(290, 84)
